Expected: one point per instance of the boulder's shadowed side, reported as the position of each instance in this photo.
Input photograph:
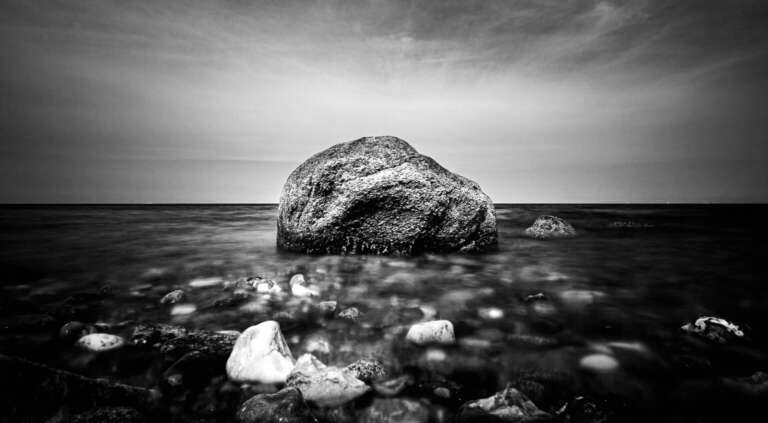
(378, 195)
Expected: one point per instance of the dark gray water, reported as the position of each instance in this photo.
(619, 292)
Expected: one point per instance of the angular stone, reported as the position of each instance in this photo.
(326, 386)
(509, 405)
(260, 355)
(367, 370)
(173, 297)
(715, 329)
(378, 195)
(285, 406)
(435, 331)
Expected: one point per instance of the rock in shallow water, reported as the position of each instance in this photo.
(436, 331)
(326, 386)
(509, 405)
(394, 410)
(98, 342)
(378, 195)
(715, 329)
(260, 355)
(367, 370)
(173, 297)
(547, 227)
(285, 406)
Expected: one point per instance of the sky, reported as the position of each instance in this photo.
(537, 100)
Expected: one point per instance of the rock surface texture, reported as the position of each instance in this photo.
(547, 227)
(378, 195)
(326, 386)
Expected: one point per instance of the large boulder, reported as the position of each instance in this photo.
(378, 195)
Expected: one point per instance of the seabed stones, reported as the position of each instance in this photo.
(433, 332)
(600, 363)
(260, 355)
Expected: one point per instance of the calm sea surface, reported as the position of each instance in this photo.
(615, 291)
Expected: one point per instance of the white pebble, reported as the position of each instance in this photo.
(98, 342)
(436, 331)
(205, 282)
(599, 363)
(490, 313)
(183, 309)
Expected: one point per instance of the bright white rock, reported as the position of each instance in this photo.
(599, 363)
(205, 282)
(260, 355)
(183, 309)
(98, 342)
(436, 331)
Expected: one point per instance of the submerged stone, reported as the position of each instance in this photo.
(260, 355)
(326, 386)
(98, 342)
(285, 406)
(715, 329)
(183, 309)
(509, 405)
(367, 370)
(599, 363)
(548, 227)
(205, 282)
(394, 410)
(378, 195)
(435, 331)
(173, 297)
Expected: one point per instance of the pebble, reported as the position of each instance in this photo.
(442, 392)
(435, 331)
(351, 313)
(508, 405)
(579, 297)
(266, 286)
(394, 410)
(327, 307)
(367, 370)
(260, 355)
(286, 406)
(490, 313)
(601, 363)
(183, 309)
(98, 342)
(299, 288)
(173, 297)
(205, 282)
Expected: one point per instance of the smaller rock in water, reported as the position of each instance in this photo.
(183, 309)
(436, 331)
(351, 313)
(285, 406)
(205, 282)
(270, 287)
(509, 405)
(367, 370)
(317, 344)
(173, 297)
(548, 227)
(580, 297)
(98, 342)
(323, 385)
(490, 313)
(394, 410)
(715, 329)
(327, 307)
(299, 287)
(601, 363)
(260, 355)
(539, 296)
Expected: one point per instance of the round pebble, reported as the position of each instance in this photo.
(599, 363)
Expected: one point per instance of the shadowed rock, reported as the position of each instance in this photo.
(286, 406)
(378, 195)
